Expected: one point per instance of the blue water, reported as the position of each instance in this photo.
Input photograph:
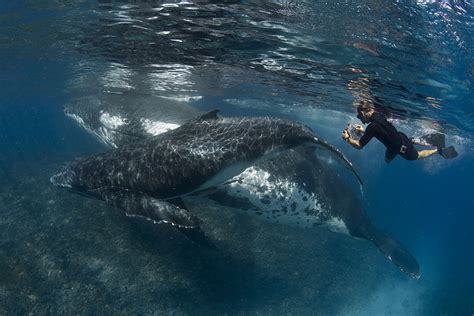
(305, 60)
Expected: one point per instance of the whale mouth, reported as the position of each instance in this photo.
(63, 179)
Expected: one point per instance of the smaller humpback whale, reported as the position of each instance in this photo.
(149, 178)
(116, 120)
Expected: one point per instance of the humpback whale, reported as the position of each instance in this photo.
(113, 120)
(220, 160)
(302, 188)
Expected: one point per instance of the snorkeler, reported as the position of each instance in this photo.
(396, 142)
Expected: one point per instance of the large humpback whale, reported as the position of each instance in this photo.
(302, 187)
(297, 187)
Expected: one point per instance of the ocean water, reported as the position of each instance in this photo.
(310, 61)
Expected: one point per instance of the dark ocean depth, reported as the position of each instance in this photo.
(309, 61)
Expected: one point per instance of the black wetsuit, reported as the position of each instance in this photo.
(395, 141)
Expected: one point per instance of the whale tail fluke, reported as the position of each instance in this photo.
(396, 253)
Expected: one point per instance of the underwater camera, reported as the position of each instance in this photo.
(352, 130)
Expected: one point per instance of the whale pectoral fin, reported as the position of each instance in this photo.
(137, 204)
(195, 234)
(173, 212)
(338, 154)
(396, 253)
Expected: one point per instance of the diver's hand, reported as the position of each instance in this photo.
(359, 129)
(345, 134)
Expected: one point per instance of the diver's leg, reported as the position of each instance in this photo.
(447, 153)
(427, 153)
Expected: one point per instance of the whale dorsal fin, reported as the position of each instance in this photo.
(211, 115)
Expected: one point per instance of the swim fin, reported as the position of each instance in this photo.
(448, 152)
(435, 139)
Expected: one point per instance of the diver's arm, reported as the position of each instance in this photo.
(353, 142)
